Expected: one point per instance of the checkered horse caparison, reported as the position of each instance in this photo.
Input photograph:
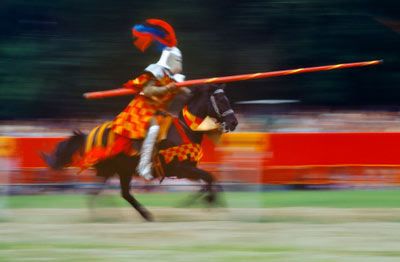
(178, 141)
(102, 143)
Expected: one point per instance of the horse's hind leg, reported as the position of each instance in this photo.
(103, 172)
(94, 192)
(125, 180)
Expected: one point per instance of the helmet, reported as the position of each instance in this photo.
(171, 58)
(162, 33)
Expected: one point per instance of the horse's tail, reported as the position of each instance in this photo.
(62, 155)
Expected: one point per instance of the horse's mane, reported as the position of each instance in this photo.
(196, 93)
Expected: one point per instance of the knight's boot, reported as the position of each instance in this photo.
(144, 167)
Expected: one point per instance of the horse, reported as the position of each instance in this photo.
(177, 153)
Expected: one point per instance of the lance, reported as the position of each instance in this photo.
(235, 78)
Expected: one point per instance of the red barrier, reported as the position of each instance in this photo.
(31, 169)
(350, 159)
(296, 149)
(29, 149)
(268, 158)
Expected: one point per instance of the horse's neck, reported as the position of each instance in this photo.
(194, 137)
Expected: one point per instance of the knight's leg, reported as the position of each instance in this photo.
(144, 167)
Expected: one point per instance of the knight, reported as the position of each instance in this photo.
(155, 90)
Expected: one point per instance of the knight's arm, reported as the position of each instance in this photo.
(158, 72)
(182, 90)
(139, 82)
(150, 89)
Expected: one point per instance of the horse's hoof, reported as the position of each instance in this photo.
(147, 216)
(210, 199)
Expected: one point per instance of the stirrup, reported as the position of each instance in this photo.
(145, 171)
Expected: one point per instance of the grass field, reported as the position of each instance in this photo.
(319, 198)
(359, 225)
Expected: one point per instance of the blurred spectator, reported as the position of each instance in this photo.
(293, 121)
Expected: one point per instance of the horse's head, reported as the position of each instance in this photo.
(210, 100)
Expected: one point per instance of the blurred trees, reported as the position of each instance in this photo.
(53, 51)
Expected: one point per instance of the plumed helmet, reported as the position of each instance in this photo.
(154, 30)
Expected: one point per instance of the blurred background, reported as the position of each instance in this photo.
(53, 51)
(326, 130)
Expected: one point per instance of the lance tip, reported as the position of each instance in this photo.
(88, 95)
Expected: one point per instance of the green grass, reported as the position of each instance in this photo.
(124, 252)
(73, 235)
(331, 198)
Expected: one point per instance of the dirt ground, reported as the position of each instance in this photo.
(246, 234)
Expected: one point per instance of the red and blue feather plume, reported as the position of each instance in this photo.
(154, 30)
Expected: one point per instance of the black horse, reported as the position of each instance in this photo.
(207, 101)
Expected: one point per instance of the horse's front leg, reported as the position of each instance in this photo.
(188, 171)
(125, 180)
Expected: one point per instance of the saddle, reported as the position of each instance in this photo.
(187, 150)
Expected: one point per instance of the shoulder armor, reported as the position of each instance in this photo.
(156, 70)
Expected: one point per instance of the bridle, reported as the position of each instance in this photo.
(217, 110)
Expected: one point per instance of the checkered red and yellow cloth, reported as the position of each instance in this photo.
(134, 121)
(191, 120)
(100, 144)
(190, 151)
(138, 83)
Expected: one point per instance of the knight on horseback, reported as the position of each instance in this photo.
(155, 89)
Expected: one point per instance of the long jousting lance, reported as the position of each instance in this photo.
(234, 78)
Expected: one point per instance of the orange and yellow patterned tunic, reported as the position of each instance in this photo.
(115, 137)
(134, 120)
